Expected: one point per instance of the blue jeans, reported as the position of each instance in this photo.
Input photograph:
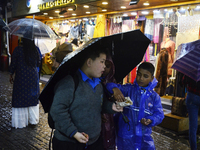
(193, 104)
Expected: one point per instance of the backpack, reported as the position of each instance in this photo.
(50, 119)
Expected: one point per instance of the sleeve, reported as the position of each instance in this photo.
(158, 114)
(14, 60)
(123, 88)
(60, 107)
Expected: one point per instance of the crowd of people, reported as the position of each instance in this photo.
(88, 118)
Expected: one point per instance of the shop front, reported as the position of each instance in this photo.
(166, 24)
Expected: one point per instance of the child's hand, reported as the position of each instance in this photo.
(81, 137)
(145, 121)
(118, 95)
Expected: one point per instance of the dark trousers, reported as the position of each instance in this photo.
(64, 145)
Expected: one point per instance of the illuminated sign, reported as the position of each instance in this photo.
(55, 3)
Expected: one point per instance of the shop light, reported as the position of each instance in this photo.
(86, 6)
(156, 11)
(145, 12)
(72, 20)
(61, 16)
(85, 19)
(45, 13)
(50, 17)
(57, 11)
(123, 7)
(198, 7)
(87, 12)
(73, 14)
(125, 15)
(165, 9)
(104, 9)
(134, 13)
(70, 9)
(146, 4)
(105, 3)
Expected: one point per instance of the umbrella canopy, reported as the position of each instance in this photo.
(30, 29)
(127, 51)
(187, 59)
(45, 45)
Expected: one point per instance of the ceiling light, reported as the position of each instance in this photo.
(123, 7)
(125, 15)
(165, 9)
(86, 6)
(57, 11)
(45, 13)
(72, 20)
(87, 12)
(73, 14)
(104, 9)
(134, 2)
(134, 13)
(70, 9)
(145, 12)
(50, 17)
(146, 4)
(61, 16)
(105, 3)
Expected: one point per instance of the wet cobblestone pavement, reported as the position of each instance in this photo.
(37, 137)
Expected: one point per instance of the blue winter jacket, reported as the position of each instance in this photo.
(146, 104)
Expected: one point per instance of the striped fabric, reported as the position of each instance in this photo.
(187, 60)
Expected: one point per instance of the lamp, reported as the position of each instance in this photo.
(134, 2)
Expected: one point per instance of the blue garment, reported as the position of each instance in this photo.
(146, 104)
(26, 81)
(92, 82)
(193, 104)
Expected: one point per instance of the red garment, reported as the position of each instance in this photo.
(170, 46)
(192, 86)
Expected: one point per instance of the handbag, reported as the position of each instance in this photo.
(179, 107)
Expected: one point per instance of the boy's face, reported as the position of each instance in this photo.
(97, 66)
(143, 77)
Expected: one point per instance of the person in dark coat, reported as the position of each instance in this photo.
(25, 76)
(193, 105)
(108, 128)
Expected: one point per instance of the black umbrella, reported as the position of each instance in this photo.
(127, 51)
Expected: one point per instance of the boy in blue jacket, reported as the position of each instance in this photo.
(145, 112)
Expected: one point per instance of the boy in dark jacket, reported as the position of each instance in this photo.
(78, 121)
(145, 112)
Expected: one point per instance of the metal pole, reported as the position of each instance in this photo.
(7, 38)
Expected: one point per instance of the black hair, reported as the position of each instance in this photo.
(94, 53)
(147, 66)
(31, 54)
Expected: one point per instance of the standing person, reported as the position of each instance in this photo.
(145, 112)
(25, 104)
(77, 116)
(108, 128)
(193, 104)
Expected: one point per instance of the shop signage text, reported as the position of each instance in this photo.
(55, 3)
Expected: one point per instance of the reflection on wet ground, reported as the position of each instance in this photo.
(37, 137)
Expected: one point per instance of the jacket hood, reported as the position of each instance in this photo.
(151, 85)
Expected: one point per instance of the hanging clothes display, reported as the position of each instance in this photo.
(74, 32)
(115, 27)
(149, 29)
(161, 71)
(99, 30)
(170, 47)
